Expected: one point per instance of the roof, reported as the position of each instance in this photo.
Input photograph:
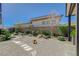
(40, 18)
(44, 17)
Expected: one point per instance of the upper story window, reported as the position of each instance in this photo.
(45, 22)
(48, 22)
(53, 21)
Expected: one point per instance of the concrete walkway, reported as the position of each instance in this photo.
(23, 46)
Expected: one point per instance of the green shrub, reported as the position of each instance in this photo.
(57, 32)
(73, 33)
(28, 32)
(64, 30)
(36, 32)
(47, 33)
(2, 38)
(61, 38)
(18, 31)
(6, 34)
(0, 31)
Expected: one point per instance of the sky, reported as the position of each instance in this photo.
(13, 13)
(0, 15)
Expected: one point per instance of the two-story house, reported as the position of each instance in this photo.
(48, 22)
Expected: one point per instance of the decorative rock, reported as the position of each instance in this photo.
(34, 42)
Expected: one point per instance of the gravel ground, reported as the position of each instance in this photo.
(44, 47)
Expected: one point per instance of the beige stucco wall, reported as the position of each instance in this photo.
(37, 23)
(51, 21)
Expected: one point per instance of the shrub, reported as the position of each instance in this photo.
(0, 31)
(73, 33)
(46, 33)
(57, 32)
(36, 32)
(2, 38)
(6, 34)
(28, 32)
(64, 30)
(17, 32)
(61, 38)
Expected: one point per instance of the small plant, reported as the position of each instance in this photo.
(61, 38)
(28, 32)
(36, 33)
(6, 35)
(64, 30)
(73, 33)
(47, 34)
(2, 38)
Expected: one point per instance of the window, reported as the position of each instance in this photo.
(48, 22)
(45, 22)
(53, 21)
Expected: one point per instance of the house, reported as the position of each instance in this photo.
(48, 22)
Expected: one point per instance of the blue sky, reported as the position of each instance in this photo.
(0, 13)
(13, 13)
